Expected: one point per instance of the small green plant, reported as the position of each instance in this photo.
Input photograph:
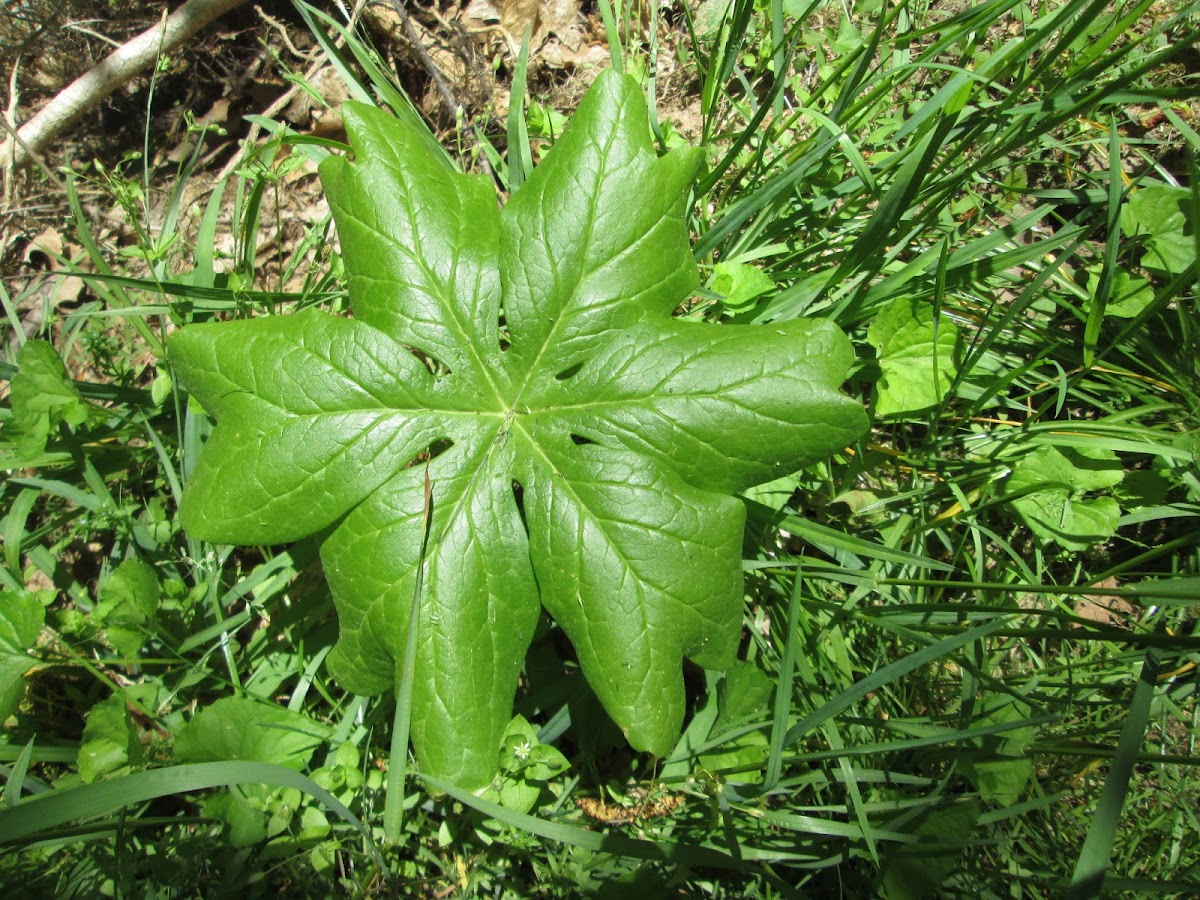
(1053, 494)
(916, 357)
(512, 415)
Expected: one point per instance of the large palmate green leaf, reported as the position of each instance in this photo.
(583, 447)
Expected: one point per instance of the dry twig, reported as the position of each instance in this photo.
(116, 69)
(439, 79)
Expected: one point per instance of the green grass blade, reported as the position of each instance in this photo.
(116, 298)
(1093, 862)
(355, 85)
(828, 538)
(612, 34)
(888, 674)
(1099, 301)
(666, 851)
(406, 676)
(520, 158)
(783, 686)
(203, 273)
(16, 777)
(14, 527)
(46, 812)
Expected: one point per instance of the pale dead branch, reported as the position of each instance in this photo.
(115, 70)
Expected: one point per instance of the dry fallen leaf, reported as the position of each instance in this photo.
(558, 35)
(49, 244)
(599, 811)
(320, 116)
(1105, 609)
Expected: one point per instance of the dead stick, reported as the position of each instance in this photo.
(439, 80)
(31, 155)
(116, 69)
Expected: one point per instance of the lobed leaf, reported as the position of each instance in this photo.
(582, 446)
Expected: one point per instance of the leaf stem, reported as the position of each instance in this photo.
(393, 803)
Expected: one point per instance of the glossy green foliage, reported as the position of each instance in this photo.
(582, 446)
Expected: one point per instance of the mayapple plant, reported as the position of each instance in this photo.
(512, 420)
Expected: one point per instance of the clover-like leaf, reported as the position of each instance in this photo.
(582, 446)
